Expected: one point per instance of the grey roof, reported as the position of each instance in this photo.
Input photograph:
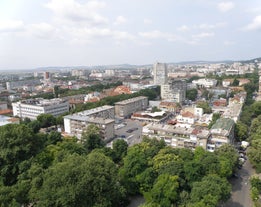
(224, 124)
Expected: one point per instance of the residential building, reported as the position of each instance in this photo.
(103, 117)
(78, 72)
(146, 117)
(127, 107)
(178, 137)
(32, 108)
(169, 106)
(174, 90)
(160, 73)
(222, 132)
(20, 84)
(207, 83)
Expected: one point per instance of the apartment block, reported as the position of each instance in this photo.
(174, 90)
(178, 137)
(222, 132)
(127, 107)
(103, 117)
(160, 73)
(32, 108)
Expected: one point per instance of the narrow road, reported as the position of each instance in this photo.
(240, 196)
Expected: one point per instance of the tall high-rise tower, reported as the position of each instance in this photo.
(160, 73)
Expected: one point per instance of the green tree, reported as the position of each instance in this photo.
(192, 94)
(79, 181)
(164, 192)
(119, 147)
(228, 152)
(241, 131)
(213, 186)
(205, 106)
(35, 126)
(91, 138)
(235, 82)
(254, 154)
(194, 171)
(56, 91)
(46, 120)
(17, 144)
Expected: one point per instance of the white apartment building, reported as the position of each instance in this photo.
(177, 137)
(207, 83)
(31, 108)
(103, 117)
(160, 73)
(127, 107)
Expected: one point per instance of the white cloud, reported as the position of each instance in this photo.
(183, 28)
(212, 26)
(42, 30)
(120, 20)
(254, 10)
(156, 34)
(11, 26)
(147, 21)
(71, 10)
(226, 6)
(89, 34)
(255, 24)
(228, 43)
(204, 34)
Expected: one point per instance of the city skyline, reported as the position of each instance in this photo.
(46, 33)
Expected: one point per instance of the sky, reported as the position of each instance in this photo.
(43, 33)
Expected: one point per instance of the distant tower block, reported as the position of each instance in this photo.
(46, 75)
(160, 73)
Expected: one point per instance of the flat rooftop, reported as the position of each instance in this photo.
(42, 102)
(85, 115)
(131, 100)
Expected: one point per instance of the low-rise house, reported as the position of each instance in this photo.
(146, 117)
(227, 82)
(169, 106)
(186, 118)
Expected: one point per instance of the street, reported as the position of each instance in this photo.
(240, 196)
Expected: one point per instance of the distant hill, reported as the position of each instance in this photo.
(129, 66)
(255, 60)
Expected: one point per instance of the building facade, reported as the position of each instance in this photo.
(174, 90)
(127, 107)
(178, 137)
(32, 108)
(103, 117)
(160, 73)
(222, 132)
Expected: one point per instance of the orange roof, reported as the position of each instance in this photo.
(5, 111)
(122, 90)
(188, 114)
(169, 104)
